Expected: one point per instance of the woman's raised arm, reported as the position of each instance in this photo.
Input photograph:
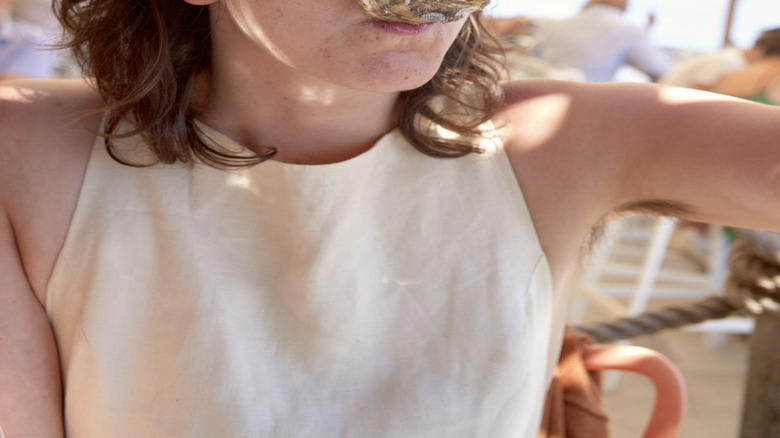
(716, 156)
(584, 151)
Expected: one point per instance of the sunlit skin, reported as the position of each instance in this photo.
(321, 84)
(329, 43)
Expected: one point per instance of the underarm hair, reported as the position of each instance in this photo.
(655, 207)
(650, 207)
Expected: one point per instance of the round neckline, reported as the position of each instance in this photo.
(233, 146)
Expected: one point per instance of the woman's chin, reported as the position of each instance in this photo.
(397, 74)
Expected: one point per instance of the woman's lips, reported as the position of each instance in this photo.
(398, 27)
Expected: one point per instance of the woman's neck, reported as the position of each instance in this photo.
(305, 122)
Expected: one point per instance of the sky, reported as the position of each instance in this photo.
(697, 25)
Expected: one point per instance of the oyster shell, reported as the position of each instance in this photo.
(421, 11)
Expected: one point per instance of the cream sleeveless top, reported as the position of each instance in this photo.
(389, 295)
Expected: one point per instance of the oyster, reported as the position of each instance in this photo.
(421, 11)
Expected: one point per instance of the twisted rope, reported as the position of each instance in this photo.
(714, 307)
(753, 285)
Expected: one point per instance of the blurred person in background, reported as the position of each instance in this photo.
(760, 79)
(22, 48)
(599, 40)
(704, 71)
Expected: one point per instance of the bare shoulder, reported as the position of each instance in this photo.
(26, 106)
(49, 128)
(574, 102)
(46, 126)
(550, 144)
(41, 118)
(583, 131)
(539, 113)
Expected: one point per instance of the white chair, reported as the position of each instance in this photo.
(633, 260)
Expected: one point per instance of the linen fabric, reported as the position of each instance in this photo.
(389, 295)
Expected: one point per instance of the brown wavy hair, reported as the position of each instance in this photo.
(144, 58)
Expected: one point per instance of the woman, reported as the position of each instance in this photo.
(161, 282)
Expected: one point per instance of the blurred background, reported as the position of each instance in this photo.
(695, 25)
